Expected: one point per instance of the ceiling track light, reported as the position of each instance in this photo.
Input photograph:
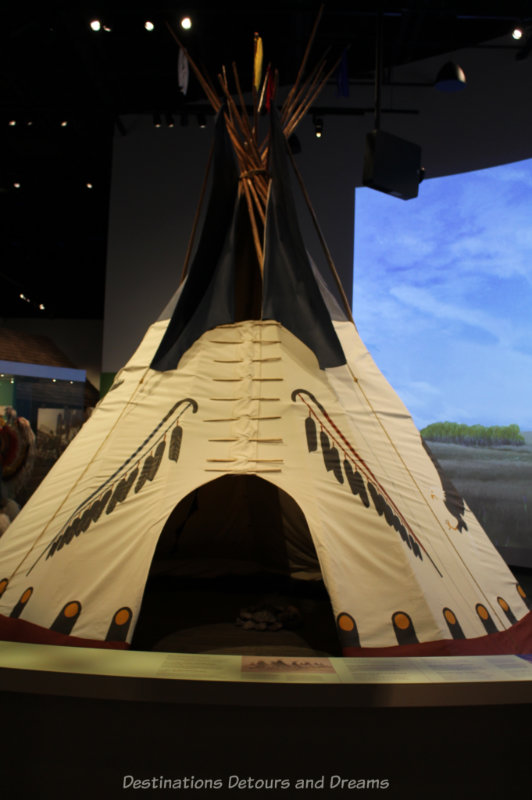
(450, 78)
(186, 23)
(518, 32)
(157, 120)
(12, 123)
(202, 121)
(97, 25)
(170, 121)
(149, 25)
(31, 302)
(318, 127)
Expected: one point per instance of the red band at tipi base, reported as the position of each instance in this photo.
(19, 630)
(517, 640)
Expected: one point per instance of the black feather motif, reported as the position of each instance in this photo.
(325, 448)
(175, 443)
(334, 464)
(312, 437)
(356, 483)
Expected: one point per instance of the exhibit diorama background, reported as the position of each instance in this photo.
(442, 297)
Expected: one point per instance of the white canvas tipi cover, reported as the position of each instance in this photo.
(275, 386)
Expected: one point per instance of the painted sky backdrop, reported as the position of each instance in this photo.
(443, 294)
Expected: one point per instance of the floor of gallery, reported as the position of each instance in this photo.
(200, 615)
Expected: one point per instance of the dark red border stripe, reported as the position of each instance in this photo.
(517, 640)
(20, 630)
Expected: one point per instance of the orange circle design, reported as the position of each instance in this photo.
(503, 604)
(482, 612)
(122, 616)
(26, 596)
(521, 590)
(401, 620)
(345, 623)
(3, 585)
(449, 616)
(71, 609)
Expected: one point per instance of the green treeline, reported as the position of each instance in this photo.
(472, 435)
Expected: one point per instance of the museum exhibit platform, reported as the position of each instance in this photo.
(97, 723)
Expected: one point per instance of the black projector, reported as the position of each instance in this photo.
(392, 165)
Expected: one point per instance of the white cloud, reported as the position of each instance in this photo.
(424, 301)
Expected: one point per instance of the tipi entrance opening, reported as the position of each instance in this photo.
(235, 570)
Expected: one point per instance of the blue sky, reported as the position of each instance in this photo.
(443, 294)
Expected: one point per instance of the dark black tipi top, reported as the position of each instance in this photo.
(224, 262)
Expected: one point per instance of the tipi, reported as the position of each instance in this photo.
(254, 388)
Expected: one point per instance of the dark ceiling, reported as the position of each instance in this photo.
(55, 69)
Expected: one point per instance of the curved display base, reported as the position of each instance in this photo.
(91, 723)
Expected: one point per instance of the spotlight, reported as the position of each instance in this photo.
(64, 123)
(318, 127)
(202, 122)
(17, 185)
(450, 78)
(41, 307)
(186, 23)
(12, 122)
(106, 28)
(517, 32)
(149, 25)
(95, 25)
(157, 120)
(89, 185)
(170, 121)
